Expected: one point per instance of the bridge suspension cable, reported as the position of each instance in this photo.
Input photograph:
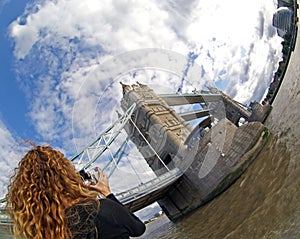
(150, 146)
(118, 155)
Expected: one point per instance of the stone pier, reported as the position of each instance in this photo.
(218, 159)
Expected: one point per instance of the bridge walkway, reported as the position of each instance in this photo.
(146, 193)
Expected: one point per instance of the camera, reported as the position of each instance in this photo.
(85, 175)
(88, 177)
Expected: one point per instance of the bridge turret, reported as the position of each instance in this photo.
(160, 125)
(125, 88)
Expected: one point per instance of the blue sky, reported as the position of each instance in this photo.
(12, 99)
(61, 62)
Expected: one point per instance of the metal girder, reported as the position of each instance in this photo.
(95, 149)
(195, 114)
(182, 99)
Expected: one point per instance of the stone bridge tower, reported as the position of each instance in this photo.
(160, 125)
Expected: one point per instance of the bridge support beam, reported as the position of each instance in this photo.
(182, 99)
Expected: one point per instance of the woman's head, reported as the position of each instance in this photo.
(44, 184)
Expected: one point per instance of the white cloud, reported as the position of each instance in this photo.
(66, 55)
(10, 154)
(25, 38)
(114, 26)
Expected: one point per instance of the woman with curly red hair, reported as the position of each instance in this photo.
(47, 200)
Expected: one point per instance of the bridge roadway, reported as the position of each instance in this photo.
(144, 194)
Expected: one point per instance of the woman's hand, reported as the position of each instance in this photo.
(102, 186)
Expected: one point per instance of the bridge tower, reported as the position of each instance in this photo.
(157, 123)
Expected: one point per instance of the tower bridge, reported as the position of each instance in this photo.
(192, 164)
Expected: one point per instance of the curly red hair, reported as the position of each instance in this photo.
(45, 183)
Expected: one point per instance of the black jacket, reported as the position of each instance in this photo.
(86, 220)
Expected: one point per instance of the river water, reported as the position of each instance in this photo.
(265, 201)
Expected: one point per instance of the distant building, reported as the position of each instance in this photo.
(283, 20)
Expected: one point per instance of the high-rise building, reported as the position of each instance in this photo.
(283, 20)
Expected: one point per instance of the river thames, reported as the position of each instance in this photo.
(264, 201)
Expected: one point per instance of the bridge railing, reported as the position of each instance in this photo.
(150, 186)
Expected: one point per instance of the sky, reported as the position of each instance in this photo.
(62, 60)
